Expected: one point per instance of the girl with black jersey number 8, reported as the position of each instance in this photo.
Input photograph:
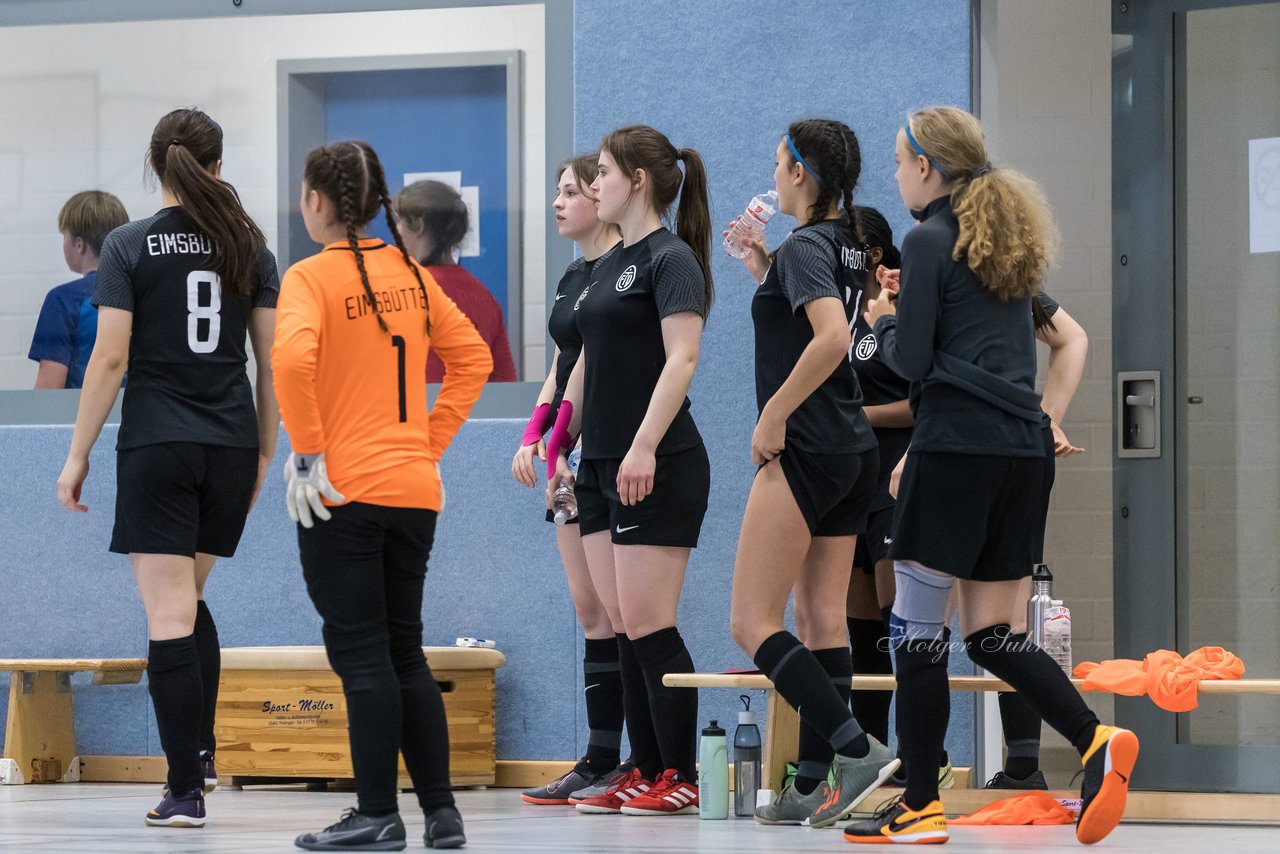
(575, 210)
(818, 461)
(970, 491)
(644, 479)
(176, 294)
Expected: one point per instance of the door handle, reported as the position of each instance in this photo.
(1138, 414)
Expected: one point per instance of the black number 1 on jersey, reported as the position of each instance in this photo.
(398, 343)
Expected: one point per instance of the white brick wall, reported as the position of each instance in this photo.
(75, 115)
(1046, 104)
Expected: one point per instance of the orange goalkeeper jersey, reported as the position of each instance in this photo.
(355, 392)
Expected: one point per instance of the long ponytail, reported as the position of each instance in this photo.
(185, 146)
(693, 217)
(1007, 235)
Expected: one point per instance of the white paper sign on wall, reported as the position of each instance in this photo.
(470, 246)
(1264, 195)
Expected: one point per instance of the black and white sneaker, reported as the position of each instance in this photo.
(357, 832)
(444, 829)
(178, 811)
(210, 773)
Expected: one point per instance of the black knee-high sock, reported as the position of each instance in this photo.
(210, 653)
(602, 686)
(1021, 727)
(869, 642)
(924, 709)
(802, 682)
(173, 680)
(635, 703)
(815, 752)
(1038, 679)
(674, 710)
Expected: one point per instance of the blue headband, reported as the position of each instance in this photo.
(911, 138)
(795, 153)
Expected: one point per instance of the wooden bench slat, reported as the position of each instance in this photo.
(958, 683)
(67, 665)
(314, 658)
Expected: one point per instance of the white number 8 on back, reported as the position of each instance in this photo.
(197, 312)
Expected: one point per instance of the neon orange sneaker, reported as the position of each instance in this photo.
(670, 795)
(1108, 764)
(897, 822)
(613, 798)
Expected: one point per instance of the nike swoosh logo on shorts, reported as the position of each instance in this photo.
(622, 530)
(560, 297)
(888, 541)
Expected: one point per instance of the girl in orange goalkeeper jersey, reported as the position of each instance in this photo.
(354, 326)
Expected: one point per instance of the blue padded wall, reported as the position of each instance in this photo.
(725, 83)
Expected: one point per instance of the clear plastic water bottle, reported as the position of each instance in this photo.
(713, 774)
(746, 761)
(564, 504)
(1057, 634)
(752, 221)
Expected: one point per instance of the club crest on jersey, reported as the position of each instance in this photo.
(627, 279)
(866, 348)
(583, 295)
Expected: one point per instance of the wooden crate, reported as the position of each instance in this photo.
(281, 713)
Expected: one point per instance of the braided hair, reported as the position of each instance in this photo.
(831, 151)
(350, 175)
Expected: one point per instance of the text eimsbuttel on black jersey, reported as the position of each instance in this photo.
(187, 357)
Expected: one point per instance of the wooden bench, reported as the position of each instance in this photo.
(40, 733)
(782, 729)
(281, 714)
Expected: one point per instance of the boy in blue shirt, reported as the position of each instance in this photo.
(68, 322)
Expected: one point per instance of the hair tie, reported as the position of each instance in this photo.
(791, 145)
(984, 169)
(175, 141)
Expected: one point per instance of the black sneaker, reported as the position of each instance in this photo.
(444, 829)
(1002, 780)
(210, 773)
(357, 832)
(178, 811)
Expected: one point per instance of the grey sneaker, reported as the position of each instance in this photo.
(791, 807)
(852, 780)
(603, 783)
(357, 832)
(1002, 780)
(444, 829)
(558, 790)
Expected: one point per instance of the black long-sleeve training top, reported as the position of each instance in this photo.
(972, 353)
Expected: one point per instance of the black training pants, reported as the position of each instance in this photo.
(364, 570)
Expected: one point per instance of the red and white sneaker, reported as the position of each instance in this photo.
(670, 795)
(611, 801)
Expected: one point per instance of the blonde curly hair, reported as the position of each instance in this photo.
(1007, 235)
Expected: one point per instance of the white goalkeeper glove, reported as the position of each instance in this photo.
(305, 480)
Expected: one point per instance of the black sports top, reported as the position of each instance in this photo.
(563, 322)
(620, 320)
(880, 385)
(972, 352)
(815, 261)
(187, 380)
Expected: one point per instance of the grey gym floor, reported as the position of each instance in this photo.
(107, 818)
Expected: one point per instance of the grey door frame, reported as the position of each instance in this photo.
(1148, 320)
(300, 98)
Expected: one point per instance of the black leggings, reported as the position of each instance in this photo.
(364, 570)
